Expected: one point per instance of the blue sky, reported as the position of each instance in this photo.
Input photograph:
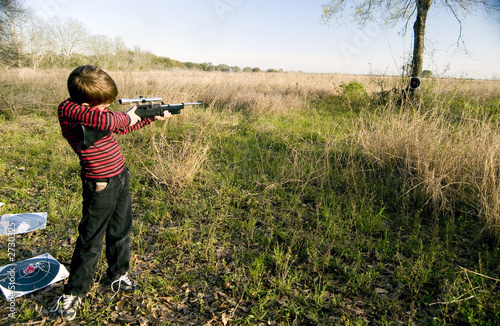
(282, 34)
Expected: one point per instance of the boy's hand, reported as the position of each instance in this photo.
(134, 118)
(166, 115)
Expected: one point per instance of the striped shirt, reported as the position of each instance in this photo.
(103, 159)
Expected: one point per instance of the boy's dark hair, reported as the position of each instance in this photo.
(90, 84)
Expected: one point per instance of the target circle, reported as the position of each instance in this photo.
(30, 274)
(415, 82)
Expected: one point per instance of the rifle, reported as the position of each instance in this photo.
(145, 109)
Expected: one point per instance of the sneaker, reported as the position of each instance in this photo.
(70, 304)
(124, 283)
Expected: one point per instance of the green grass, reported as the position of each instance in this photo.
(287, 222)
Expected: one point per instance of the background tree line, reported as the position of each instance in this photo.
(27, 40)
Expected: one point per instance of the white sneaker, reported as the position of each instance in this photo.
(69, 306)
(124, 283)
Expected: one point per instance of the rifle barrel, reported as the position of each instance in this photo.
(139, 100)
(181, 104)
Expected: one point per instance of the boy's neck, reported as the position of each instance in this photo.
(100, 106)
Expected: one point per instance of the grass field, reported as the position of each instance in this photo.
(286, 199)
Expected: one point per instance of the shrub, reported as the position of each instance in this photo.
(426, 74)
(354, 94)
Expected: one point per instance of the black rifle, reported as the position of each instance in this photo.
(145, 109)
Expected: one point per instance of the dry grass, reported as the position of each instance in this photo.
(256, 92)
(448, 165)
(177, 163)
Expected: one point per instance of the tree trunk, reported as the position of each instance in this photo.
(418, 43)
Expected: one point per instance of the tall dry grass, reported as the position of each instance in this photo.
(255, 92)
(449, 165)
(177, 163)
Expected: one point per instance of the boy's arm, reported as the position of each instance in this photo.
(134, 127)
(75, 114)
(118, 122)
(136, 123)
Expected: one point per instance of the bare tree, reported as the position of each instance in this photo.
(69, 36)
(101, 47)
(38, 42)
(11, 16)
(389, 12)
(120, 52)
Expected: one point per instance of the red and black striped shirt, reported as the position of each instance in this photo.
(103, 159)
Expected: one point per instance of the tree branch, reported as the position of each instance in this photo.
(460, 38)
(405, 28)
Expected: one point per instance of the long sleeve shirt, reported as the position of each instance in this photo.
(103, 159)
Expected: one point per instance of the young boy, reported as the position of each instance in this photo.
(107, 208)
